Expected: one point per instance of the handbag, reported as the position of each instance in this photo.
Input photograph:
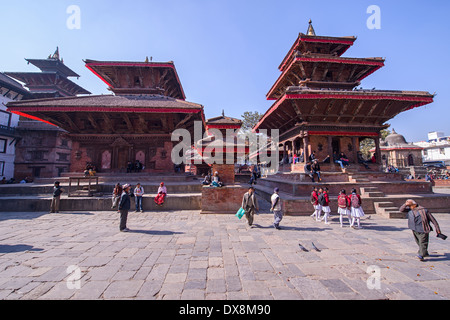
(240, 213)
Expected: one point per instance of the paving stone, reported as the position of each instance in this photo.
(214, 257)
(123, 289)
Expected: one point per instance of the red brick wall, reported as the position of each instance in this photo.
(227, 199)
(226, 173)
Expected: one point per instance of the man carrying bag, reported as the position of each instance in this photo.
(250, 205)
(419, 220)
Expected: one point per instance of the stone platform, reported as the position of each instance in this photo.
(189, 256)
(184, 193)
(382, 193)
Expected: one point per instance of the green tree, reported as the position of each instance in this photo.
(368, 143)
(250, 119)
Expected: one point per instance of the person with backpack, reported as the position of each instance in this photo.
(276, 208)
(356, 210)
(117, 192)
(344, 207)
(57, 191)
(138, 193)
(315, 202)
(324, 202)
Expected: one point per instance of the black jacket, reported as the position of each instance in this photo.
(125, 202)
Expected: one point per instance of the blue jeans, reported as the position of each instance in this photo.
(340, 163)
(138, 203)
(318, 174)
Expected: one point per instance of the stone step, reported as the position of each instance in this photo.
(375, 194)
(104, 188)
(384, 204)
(73, 204)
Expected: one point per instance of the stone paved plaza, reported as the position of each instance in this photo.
(186, 255)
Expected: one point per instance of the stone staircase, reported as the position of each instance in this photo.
(385, 208)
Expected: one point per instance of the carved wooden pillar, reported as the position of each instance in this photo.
(330, 146)
(306, 148)
(378, 149)
(355, 149)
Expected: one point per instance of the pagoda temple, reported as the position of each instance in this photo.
(52, 81)
(134, 123)
(318, 106)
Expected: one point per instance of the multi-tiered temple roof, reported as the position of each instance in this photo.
(52, 81)
(317, 88)
(148, 98)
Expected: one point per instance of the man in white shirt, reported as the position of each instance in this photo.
(276, 208)
(138, 194)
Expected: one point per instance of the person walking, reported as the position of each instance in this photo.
(324, 202)
(315, 202)
(356, 210)
(117, 192)
(344, 207)
(419, 220)
(250, 205)
(138, 195)
(124, 207)
(57, 191)
(276, 208)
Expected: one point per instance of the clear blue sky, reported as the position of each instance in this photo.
(227, 52)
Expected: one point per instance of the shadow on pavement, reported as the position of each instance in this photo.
(6, 248)
(155, 232)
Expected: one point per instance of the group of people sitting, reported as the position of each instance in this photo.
(90, 170)
(212, 180)
(137, 166)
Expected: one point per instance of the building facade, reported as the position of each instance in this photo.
(10, 90)
(437, 148)
(42, 149)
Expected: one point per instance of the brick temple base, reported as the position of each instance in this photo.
(226, 173)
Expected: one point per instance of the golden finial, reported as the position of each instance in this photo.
(146, 60)
(310, 31)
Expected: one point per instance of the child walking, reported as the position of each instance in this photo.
(324, 202)
(344, 207)
(315, 203)
(356, 209)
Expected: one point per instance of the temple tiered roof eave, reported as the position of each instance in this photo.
(53, 65)
(337, 45)
(121, 76)
(341, 107)
(48, 81)
(315, 67)
(65, 112)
